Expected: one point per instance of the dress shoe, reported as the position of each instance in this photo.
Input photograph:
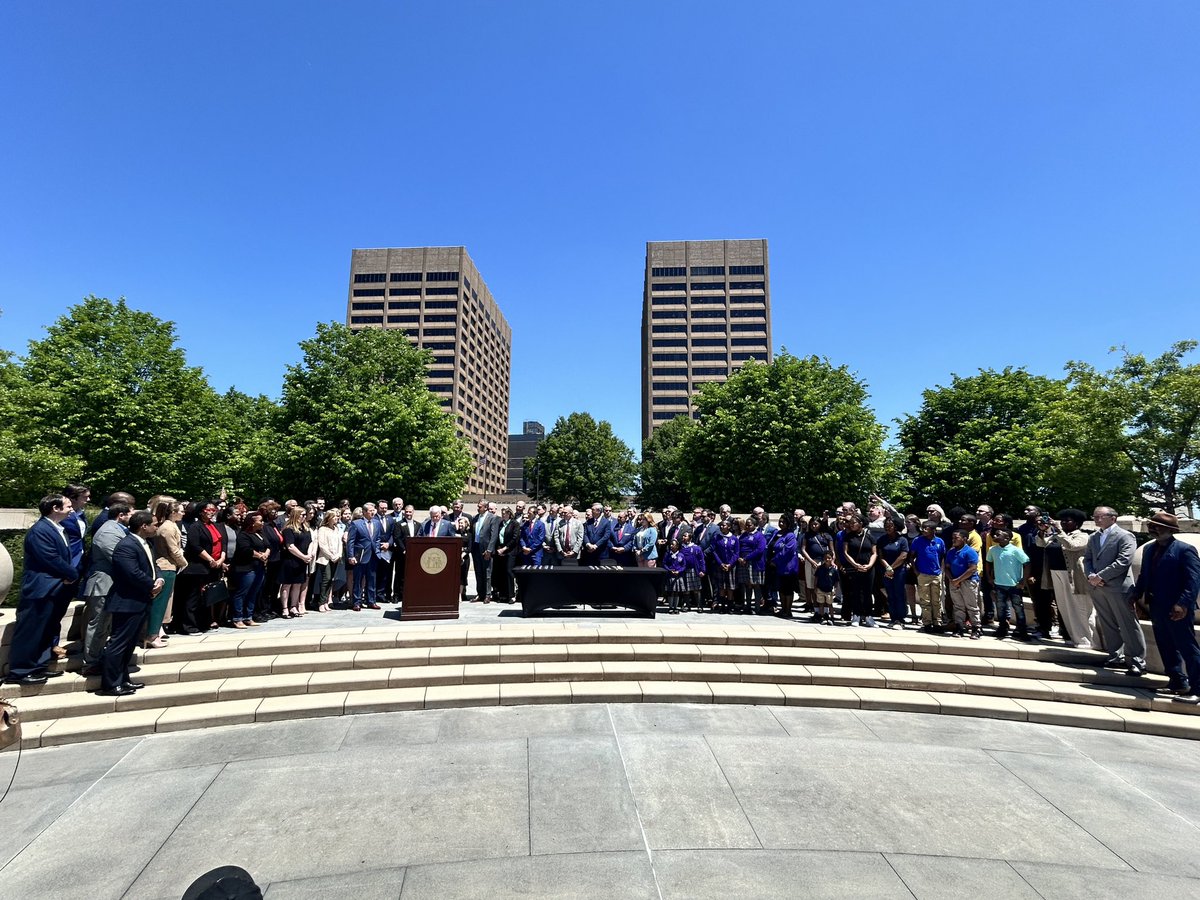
(356, 608)
(91, 671)
(1114, 662)
(1136, 669)
(121, 691)
(26, 679)
(135, 685)
(373, 606)
(53, 673)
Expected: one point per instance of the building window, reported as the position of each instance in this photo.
(441, 276)
(439, 332)
(441, 304)
(748, 298)
(443, 360)
(669, 314)
(363, 306)
(668, 329)
(747, 286)
(750, 326)
(369, 278)
(668, 357)
(746, 270)
(747, 313)
(668, 301)
(438, 345)
(708, 342)
(442, 388)
(661, 416)
(707, 328)
(709, 314)
(467, 282)
(672, 386)
(742, 357)
(747, 342)
(440, 318)
(441, 290)
(668, 271)
(668, 286)
(405, 276)
(710, 370)
(708, 300)
(659, 372)
(708, 285)
(368, 292)
(408, 304)
(366, 320)
(709, 357)
(669, 342)
(405, 292)
(708, 270)
(405, 320)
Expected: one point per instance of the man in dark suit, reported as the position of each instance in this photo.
(383, 567)
(406, 527)
(1169, 582)
(362, 548)
(46, 588)
(115, 497)
(597, 538)
(134, 587)
(437, 525)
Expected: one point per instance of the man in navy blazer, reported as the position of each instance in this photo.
(46, 588)
(437, 525)
(362, 549)
(134, 587)
(597, 537)
(1169, 581)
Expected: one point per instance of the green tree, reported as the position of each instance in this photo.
(253, 428)
(115, 391)
(357, 421)
(1149, 410)
(1008, 438)
(582, 461)
(661, 470)
(28, 469)
(794, 432)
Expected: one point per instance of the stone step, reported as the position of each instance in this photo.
(263, 676)
(244, 710)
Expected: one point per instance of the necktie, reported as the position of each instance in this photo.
(567, 543)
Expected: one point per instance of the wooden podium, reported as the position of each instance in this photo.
(432, 578)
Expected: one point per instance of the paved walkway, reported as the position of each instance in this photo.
(614, 801)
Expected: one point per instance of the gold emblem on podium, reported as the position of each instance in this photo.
(433, 561)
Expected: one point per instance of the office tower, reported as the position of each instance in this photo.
(706, 309)
(439, 298)
(522, 447)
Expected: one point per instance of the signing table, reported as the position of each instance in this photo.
(543, 588)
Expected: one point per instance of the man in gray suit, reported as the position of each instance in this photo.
(1106, 564)
(567, 540)
(485, 531)
(99, 583)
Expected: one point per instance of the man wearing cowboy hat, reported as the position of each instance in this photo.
(1169, 582)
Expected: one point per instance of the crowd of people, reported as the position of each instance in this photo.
(180, 568)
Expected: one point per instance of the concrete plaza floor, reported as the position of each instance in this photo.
(621, 801)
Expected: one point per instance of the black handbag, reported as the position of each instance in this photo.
(215, 592)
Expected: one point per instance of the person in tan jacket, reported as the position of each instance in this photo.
(169, 559)
(1071, 593)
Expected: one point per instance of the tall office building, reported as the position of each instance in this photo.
(523, 447)
(706, 309)
(439, 298)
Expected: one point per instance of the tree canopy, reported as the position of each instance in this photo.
(113, 390)
(356, 420)
(662, 474)
(582, 461)
(797, 430)
(1149, 412)
(1008, 438)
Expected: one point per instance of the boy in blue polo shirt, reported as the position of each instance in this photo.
(962, 571)
(1008, 569)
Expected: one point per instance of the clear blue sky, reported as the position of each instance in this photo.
(944, 185)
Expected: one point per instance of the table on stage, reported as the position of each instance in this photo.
(542, 588)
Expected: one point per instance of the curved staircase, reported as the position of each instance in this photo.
(265, 674)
